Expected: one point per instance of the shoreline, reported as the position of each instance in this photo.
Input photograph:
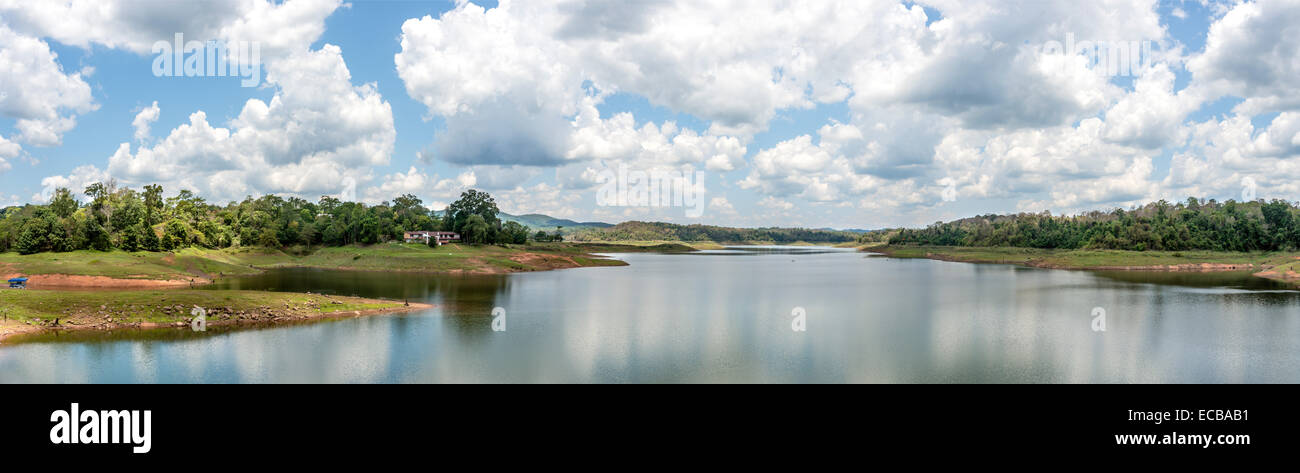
(81, 282)
(122, 271)
(451, 272)
(58, 302)
(11, 328)
(1258, 265)
(74, 281)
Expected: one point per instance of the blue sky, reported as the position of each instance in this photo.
(847, 114)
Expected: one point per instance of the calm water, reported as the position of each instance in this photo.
(726, 316)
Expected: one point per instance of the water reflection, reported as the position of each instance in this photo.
(725, 316)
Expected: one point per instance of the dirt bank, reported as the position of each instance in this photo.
(10, 328)
(545, 262)
(67, 281)
(1036, 263)
(1286, 276)
(1190, 267)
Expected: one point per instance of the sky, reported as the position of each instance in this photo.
(825, 113)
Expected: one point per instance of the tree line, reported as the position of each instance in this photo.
(115, 217)
(659, 231)
(1190, 225)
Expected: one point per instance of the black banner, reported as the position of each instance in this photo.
(220, 424)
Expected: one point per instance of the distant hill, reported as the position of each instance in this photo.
(548, 223)
(601, 231)
(850, 230)
(545, 222)
(659, 231)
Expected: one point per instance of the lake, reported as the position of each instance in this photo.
(727, 316)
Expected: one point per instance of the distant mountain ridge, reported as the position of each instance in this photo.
(660, 231)
(544, 222)
(547, 222)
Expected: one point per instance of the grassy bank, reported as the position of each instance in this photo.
(181, 268)
(185, 264)
(452, 258)
(35, 310)
(1274, 265)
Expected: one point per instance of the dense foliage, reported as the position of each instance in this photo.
(657, 231)
(144, 220)
(1190, 225)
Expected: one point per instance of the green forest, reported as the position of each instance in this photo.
(1158, 226)
(131, 220)
(657, 231)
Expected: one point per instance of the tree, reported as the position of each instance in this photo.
(130, 239)
(33, 237)
(475, 230)
(153, 204)
(408, 209)
(268, 239)
(175, 235)
(472, 202)
(94, 235)
(58, 236)
(514, 232)
(130, 212)
(98, 193)
(1281, 224)
(101, 194)
(148, 239)
(63, 203)
(187, 206)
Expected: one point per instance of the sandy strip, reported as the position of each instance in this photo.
(9, 328)
(67, 281)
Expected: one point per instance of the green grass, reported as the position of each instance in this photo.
(194, 262)
(184, 264)
(1082, 259)
(236, 259)
(412, 257)
(855, 244)
(1283, 270)
(161, 306)
(447, 258)
(114, 264)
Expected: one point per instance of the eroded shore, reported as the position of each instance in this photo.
(1277, 266)
(24, 312)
